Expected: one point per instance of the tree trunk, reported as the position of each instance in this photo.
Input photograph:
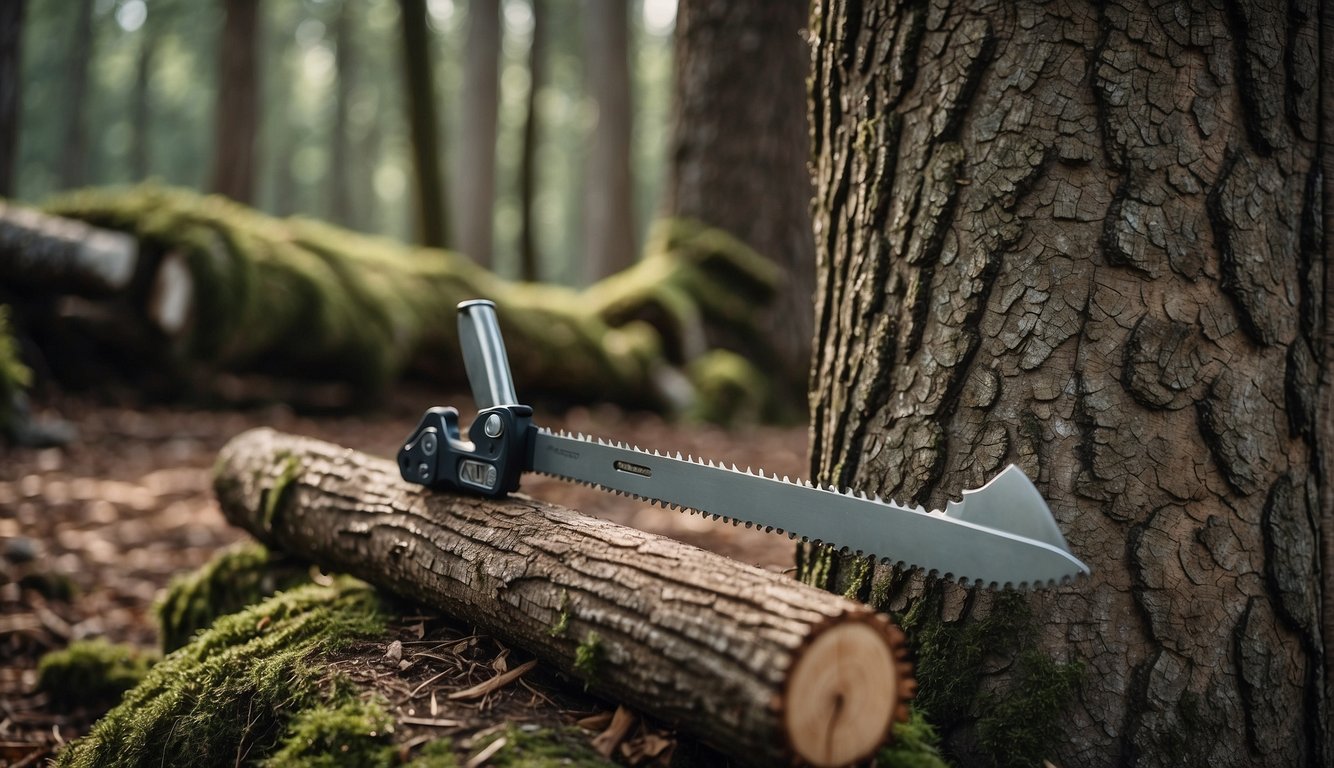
(238, 103)
(1087, 240)
(1324, 236)
(609, 224)
(755, 664)
(141, 113)
(419, 87)
(739, 148)
(343, 180)
(11, 91)
(529, 259)
(74, 152)
(476, 184)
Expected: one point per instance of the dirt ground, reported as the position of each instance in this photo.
(91, 532)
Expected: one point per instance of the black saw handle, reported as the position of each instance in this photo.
(500, 439)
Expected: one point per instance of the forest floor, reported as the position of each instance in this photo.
(92, 532)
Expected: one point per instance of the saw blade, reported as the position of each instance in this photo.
(1000, 535)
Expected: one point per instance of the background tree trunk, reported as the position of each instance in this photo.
(74, 153)
(476, 185)
(1087, 239)
(237, 118)
(343, 180)
(11, 91)
(739, 148)
(419, 87)
(141, 105)
(609, 224)
(529, 259)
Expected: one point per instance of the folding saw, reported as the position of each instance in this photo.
(1001, 534)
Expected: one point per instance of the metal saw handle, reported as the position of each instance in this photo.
(484, 355)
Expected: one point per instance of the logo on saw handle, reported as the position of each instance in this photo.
(477, 474)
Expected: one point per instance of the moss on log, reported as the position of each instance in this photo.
(235, 290)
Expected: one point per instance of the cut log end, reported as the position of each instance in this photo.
(845, 691)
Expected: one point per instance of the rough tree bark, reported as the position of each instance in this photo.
(609, 221)
(419, 93)
(1087, 238)
(236, 119)
(739, 149)
(476, 186)
(756, 664)
(11, 91)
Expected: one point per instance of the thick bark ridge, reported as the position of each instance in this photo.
(723, 649)
(1086, 238)
(739, 154)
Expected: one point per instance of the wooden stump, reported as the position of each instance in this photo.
(763, 668)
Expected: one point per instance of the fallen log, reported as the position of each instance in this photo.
(763, 668)
(169, 280)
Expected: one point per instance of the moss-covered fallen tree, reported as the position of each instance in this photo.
(215, 286)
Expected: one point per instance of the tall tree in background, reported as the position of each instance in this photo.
(528, 255)
(141, 104)
(432, 221)
(609, 227)
(476, 186)
(1087, 239)
(11, 90)
(74, 153)
(236, 120)
(343, 181)
(739, 151)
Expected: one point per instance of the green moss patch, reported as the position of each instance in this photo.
(231, 694)
(91, 673)
(589, 656)
(240, 576)
(353, 733)
(1015, 726)
(915, 745)
(532, 747)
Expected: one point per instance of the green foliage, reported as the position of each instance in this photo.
(91, 672)
(240, 576)
(15, 377)
(531, 747)
(916, 745)
(234, 689)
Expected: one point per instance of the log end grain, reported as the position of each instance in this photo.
(845, 691)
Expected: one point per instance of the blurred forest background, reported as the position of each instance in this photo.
(118, 91)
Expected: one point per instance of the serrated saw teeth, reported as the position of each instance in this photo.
(977, 540)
